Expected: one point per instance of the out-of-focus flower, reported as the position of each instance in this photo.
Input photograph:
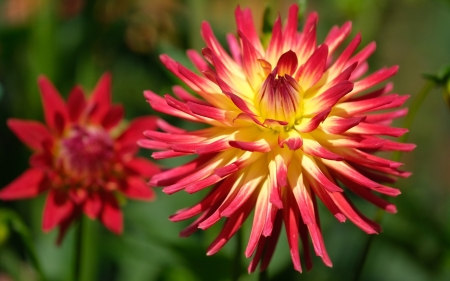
(290, 123)
(71, 8)
(19, 12)
(147, 21)
(80, 158)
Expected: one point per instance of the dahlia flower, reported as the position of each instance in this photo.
(80, 158)
(290, 123)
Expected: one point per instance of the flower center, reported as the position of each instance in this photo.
(86, 151)
(278, 99)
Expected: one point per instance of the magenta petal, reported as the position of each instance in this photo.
(76, 103)
(313, 69)
(58, 207)
(245, 24)
(142, 167)
(27, 185)
(92, 205)
(136, 129)
(287, 64)
(111, 215)
(101, 98)
(257, 146)
(52, 101)
(136, 188)
(113, 116)
(31, 133)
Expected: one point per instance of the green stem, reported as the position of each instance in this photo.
(263, 276)
(426, 89)
(413, 109)
(19, 227)
(34, 260)
(362, 261)
(236, 271)
(78, 251)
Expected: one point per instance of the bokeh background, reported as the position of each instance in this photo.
(75, 41)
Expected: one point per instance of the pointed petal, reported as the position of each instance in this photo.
(142, 167)
(111, 215)
(113, 116)
(136, 188)
(313, 69)
(259, 219)
(100, 100)
(375, 129)
(135, 130)
(27, 185)
(197, 60)
(251, 64)
(373, 79)
(235, 48)
(58, 207)
(52, 102)
(159, 104)
(310, 166)
(92, 205)
(291, 219)
(314, 148)
(287, 64)
(231, 226)
(341, 61)
(290, 31)
(326, 100)
(76, 103)
(337, 36)
(32, 133)
(276, 41)
(338, 125)
(245, 24)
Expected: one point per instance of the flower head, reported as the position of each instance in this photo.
(80, 158)
(291, 123)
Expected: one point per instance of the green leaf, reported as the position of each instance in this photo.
(15, 223)
(441, 78)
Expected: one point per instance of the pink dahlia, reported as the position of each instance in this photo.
(80, 158)
(290, 123)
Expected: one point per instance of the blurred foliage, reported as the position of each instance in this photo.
(74, 41)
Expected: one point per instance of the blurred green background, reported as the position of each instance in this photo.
(75, 41)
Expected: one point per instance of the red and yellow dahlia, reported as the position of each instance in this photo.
(80, 158)
(290, 122)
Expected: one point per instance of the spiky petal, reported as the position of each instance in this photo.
(289, 125)
(79, 159)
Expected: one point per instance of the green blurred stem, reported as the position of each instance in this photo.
(263, 276)
(413, 109)
(34, 260)
(78, 251)
(236, 271)
(19, 227)
(426, 89)
(362, 261)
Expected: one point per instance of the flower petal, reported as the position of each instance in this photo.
(58, 207)
(31, 133)
(136, 188)
(76, 103)
(53, 103)
(142, 167)
(100, 100)
(112, 117)
(93, 205)
(27, 185)
(111, 215)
